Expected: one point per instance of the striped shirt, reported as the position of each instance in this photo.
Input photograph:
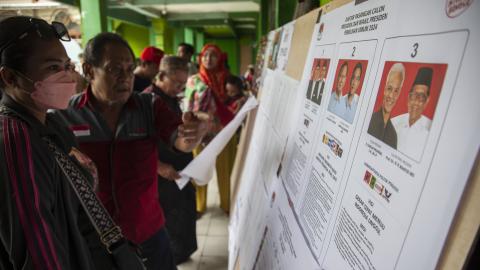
(39, 212)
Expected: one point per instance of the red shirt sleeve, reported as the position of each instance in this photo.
(166, 121)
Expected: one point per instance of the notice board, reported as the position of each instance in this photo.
(362, 153)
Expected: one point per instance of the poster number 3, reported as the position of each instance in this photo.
(415, 50)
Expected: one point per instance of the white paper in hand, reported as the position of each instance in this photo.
(202, 166)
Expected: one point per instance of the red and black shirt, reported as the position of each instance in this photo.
(126, 158)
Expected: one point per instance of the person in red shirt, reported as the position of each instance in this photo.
(120, 130)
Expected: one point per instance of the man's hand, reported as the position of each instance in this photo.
(167, 171)
(191, 132)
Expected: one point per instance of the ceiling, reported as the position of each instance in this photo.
(214, 17)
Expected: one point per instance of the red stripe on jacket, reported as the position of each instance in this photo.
(29, 217)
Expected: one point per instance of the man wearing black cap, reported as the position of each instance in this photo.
(413, 127)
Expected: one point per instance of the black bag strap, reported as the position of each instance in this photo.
(98, 215)
(109, 232)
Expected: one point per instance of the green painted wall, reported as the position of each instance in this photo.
(162, 35)
(178, 37)
(189, 36)
(169, 46)
(285, 10)
(138, 37)
(230, 46)
(323, 2)
(94, 19)
(262, 24)
(200, 41)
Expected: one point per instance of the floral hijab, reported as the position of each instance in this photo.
(209, 87)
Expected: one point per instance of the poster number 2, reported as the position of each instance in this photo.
(415, 50)
(353, 52)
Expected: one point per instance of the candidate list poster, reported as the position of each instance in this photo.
(333, 141)
(251, 203)
(262, 167)
(282, 246)
(405, 118)
(335, 79)
(302, 138)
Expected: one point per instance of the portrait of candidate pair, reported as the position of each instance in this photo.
(405, 105)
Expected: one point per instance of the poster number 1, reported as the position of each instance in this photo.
(353, 52)
(415, 50)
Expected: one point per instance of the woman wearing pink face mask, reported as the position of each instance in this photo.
(42, 223)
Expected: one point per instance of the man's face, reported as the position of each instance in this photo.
(392, 91)
(342, 77)
(112, 80)
(174, 83)
(417, 101)
(316, 73)
(323, 72)
(182, 52)
(355, 82)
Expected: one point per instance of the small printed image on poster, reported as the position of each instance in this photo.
(347, 88)
(405, 105)
(272, 58)
(378, 187)
(316, 83)
(321, 26)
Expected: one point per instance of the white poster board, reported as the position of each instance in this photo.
(382, 142)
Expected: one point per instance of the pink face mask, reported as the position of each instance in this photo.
(55, 91)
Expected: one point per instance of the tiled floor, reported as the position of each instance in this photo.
(212, 236)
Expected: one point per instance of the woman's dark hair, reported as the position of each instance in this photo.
(93, 53)
(18, 38)
(234, 80)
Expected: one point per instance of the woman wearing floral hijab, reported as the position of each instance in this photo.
(205, 92)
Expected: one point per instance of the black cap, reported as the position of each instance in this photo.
(424, 76)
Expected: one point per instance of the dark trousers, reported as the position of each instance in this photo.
(158, 253)
(180, 218)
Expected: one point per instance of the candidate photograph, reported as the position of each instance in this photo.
(405, 105)
(318, 76)
(272, 59)
(347, 88)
